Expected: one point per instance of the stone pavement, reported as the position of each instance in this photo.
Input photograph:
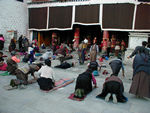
(33, 100)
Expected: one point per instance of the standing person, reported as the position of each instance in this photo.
(20, 43)
(116, 65)
(84, 83)
(80, 50)
(93, 51)
(117, 48)
(141, 75)
(123, 46)
(108, 48)
(148, 47)
(84, 50)
(31, 53)
(12, 45)
(46, 80)
(25, 43)
(139, 49)
(2, 40)
(12, 63)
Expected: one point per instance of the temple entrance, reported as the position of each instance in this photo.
(90, 31)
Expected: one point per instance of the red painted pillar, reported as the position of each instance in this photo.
(76, 38)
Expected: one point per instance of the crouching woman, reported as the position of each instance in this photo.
(84, 83)
(46, 80)
(113, 88)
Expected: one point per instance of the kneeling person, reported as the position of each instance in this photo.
(46, 80)
(22, 75)
(113, 88)
(84, 83)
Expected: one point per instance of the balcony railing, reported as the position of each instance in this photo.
(47, 1)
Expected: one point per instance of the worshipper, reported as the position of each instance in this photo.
(2, 40)
(3, 65)
(141, 75)
(84, 83)
(65, 65)
(25, 43)
(46, 55)
(20, 43)
(95, 67)
(108, 48)
(117, 48)
(22, 74)
(61, 51)
(12, 45)
(139, 49)
(43, 46)
(12, 63)
(80, 48)
(148, 47)
(31, 53)
(116, 65)
(82, 51)
(94, 49)
(46, 80)
(1, 54)
(113, 88)
(123, 46)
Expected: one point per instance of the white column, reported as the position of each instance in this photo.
(135, 39)
(30, 35)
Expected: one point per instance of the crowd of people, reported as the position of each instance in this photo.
(113, 87)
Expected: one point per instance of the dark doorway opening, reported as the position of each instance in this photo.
(89, 31)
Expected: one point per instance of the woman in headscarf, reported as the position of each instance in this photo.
(84, 83)
(141, 75)
(2, 40)
(12, 63)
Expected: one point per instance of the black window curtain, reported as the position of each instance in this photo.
(118, 16)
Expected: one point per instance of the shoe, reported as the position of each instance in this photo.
(114, 99)
(107, 97)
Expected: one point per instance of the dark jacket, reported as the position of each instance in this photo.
(116, 65)
(139, 49)
(141, 63)
(84, 81)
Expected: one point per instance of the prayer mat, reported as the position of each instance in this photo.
(74, 98)
(61, 83)
(6, 73)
